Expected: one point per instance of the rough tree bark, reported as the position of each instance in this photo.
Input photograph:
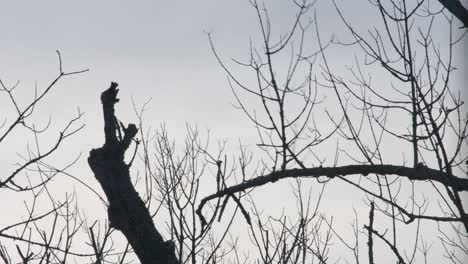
(127, 211)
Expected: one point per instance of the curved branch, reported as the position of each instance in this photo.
(419, 173)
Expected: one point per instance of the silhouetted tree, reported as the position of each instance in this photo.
(45, 233)
(419, 106)
(420, 94)
(289, 131)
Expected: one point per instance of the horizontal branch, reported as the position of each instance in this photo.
(419, 173)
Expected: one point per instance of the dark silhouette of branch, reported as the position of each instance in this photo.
(127, 211)
(392, 247)
(457, 9)
(420, 173)
(370, 243)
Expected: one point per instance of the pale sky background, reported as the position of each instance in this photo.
(153, 49)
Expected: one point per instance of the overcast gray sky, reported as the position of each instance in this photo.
(153, 49)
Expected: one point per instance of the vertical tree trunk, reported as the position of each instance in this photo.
(127, 211)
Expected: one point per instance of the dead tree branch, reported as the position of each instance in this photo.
(127, 211)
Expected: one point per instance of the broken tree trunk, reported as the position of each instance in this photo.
(127, 211)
